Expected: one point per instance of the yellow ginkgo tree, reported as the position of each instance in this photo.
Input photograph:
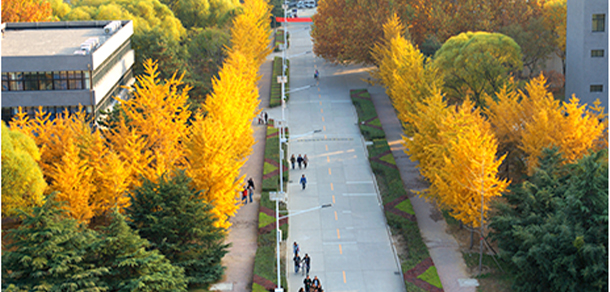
(220, 138)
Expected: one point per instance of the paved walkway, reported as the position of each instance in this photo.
(349, 244)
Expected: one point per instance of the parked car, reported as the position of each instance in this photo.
(300, 4)
(310, 3)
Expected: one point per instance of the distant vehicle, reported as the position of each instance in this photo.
(300, 4)
(310, 3)
(292, 4)
(294, 12)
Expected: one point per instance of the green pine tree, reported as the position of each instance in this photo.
(132, 267)
(554, 226)
(175, 221)
(48, 252)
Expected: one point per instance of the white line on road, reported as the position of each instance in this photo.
(360, 195)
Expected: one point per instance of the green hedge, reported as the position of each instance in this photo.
(275, 98)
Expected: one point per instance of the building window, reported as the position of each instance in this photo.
(45, 80)
(599, 22)
(597, 53)
(596, 88)
(4, 81)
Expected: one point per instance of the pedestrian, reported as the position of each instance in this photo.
(266, 116)
(303, 181)
(316, 282)
(297, 263)
(292, 160)
(306, 264)
(307, 283)
(305, 160)
(244, 195)
(295, 248)
(301, 290)
(251, 188)
(260, 119)
(300, 161)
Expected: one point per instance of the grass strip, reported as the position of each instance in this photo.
(265, 258)
(275, 98)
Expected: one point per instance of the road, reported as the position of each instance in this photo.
(349, 243)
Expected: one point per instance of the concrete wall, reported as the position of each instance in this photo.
(46, 98)
(582, 70)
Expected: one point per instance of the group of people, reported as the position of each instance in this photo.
(248, 191)
(309, 284)
(301, 161)
(263, 118)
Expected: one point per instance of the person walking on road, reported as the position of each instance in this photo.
(306, 264)
(266, 117)
(303, 181)
(305, 161)
(244, 195)
(307, 283)
(297, 263)
(292, 160)
(316, 282)
(295, 248)
(300, 160)
(250, 188)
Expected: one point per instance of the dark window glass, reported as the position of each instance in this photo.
(60, 80)
(75, 79)
(596, 88)
(4, 81)
(45, 80)
(86, 78)
(16, 81)
(597, 53)
(31, 80)
(599, 22)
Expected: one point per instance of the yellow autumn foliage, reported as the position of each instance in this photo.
(220, 138)
(468, 177)
(402, 69)
(533, 119)
(149, 135)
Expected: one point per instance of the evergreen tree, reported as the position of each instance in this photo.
(177, 222)
(48, 251)
(132, 267)
(554, 226)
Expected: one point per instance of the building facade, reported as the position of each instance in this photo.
(61, 66)
(587, 51)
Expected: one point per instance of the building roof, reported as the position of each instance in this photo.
(46, 42)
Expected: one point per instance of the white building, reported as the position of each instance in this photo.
(61, 65)
(587, 51)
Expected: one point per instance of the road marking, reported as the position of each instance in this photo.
(320, 96)
(320, 103)
(322, 110)
(326, 145)
(318, 88)
(322, 119)
(359, 194)
(329, 172)
(344, 280)
(332, 188)
(334, 200)
(327, 158)
(359, 182)
(338, 234)
(336, 216)
(340, 249)
(324, 128)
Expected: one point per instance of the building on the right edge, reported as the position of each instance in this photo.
(587, 51)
